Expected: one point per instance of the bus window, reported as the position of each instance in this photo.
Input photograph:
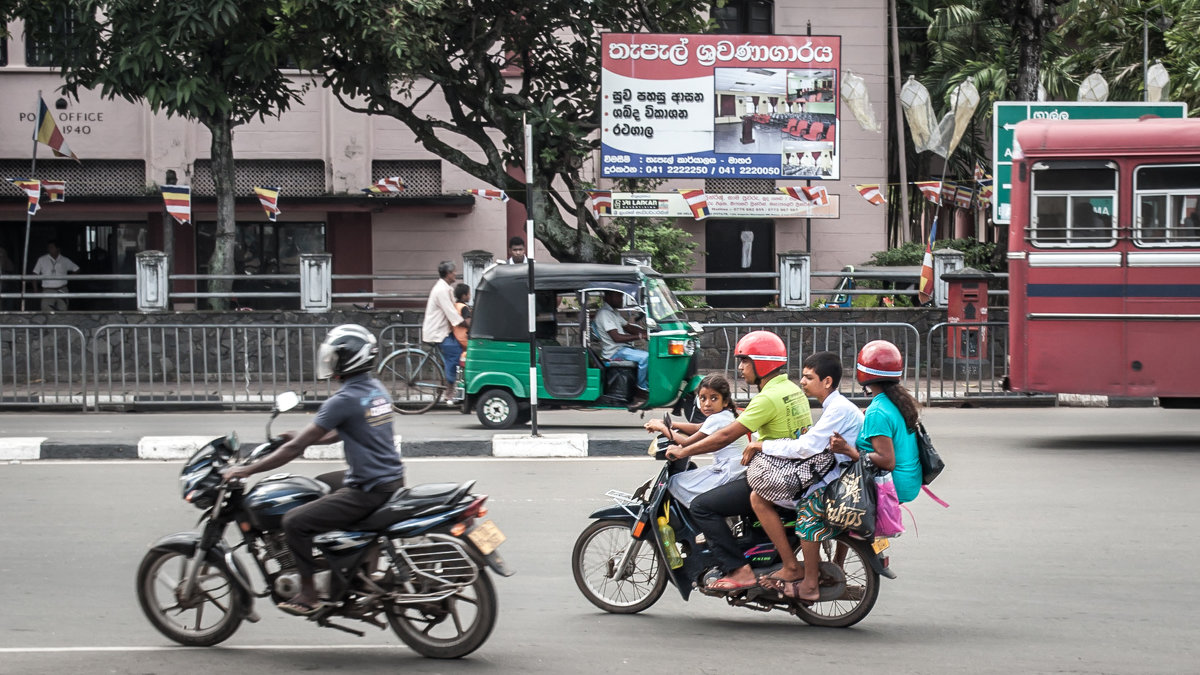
(1168, 198)
(1074, 204)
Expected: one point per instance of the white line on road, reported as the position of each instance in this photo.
(168, 648)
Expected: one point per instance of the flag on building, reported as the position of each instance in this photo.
(269, 198)
(949, 190)
(178, 199)
(794, 193)
(962, 196)
(384, 185)
(871, 193)
(47, 133)
(931, 189)
(601, 202)
(925, 289)
(32, 189)
(697, 201)
(56, 190)
(817, 194)
(494, 195)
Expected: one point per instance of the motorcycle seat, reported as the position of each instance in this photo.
(409, 502)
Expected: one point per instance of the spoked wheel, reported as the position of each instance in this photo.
(449, 628)
(413, 378)
(851, 558)
(208, 617)
(597, 553)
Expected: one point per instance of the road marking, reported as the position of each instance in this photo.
(322, 462)
(181, 648)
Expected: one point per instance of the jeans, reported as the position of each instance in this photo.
(451, 351)
(338, 509)
(710, 509)
(641, 358)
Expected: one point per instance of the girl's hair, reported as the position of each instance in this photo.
(719, 384)
(904, 401)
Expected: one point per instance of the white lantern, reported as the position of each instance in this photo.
(858, 100)
(1157, 81)
(918, 110)
(1094, 88)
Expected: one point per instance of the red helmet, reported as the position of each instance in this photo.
(879, 361)
(765, 349)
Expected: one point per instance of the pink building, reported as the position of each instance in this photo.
(322, 155)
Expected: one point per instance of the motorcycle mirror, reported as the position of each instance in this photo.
(286, 401)
(667, 419)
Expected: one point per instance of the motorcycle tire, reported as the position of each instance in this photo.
(160, 578)
(596, 551)
(861, 587)
(417, 623)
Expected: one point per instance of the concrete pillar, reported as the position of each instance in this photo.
(794, 279)
(152, 281)
(316, 282)
(944, 260)
(474, 264)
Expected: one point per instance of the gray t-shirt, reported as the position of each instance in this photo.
(361, 411)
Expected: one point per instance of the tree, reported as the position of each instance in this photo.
(494, 65)
(213, 61)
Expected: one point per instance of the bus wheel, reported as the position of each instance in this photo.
(496, 409)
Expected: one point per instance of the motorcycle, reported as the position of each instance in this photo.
(418, 564)
(621, 564)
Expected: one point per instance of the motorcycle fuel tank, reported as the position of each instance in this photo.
(276, 495)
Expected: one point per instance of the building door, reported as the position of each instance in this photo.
(740, 246)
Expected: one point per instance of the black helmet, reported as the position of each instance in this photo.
(347, 349)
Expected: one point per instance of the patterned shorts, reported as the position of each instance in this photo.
(810, 519)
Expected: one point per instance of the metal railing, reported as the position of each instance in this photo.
(968, 361)
(43, 365)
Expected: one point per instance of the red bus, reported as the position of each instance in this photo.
(1104, 259)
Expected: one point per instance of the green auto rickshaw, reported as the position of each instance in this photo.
(570, 370)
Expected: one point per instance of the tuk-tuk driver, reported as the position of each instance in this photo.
(616, 335)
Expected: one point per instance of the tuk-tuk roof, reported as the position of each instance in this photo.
(501, 304)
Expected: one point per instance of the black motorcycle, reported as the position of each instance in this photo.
(620, 562)
(419, 563)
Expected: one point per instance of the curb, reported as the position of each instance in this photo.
(178, 448)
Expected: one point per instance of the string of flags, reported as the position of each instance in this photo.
(697, 201)
(178, 200)
(33, 192)
(871, 193)
(391, 184)
(601, 202)
(269, 198)
(493, 195)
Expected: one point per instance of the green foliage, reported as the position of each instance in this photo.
(976, 254)
(672, 249)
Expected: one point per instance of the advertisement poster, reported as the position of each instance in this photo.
(673, 205)
(720, 106)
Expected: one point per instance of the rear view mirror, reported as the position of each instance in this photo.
(286, 401)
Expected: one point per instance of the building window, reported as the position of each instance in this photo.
(3, 52)
(39, 49)
(264, 248)
(745, 17)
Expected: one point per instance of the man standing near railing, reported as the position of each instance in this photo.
(440, 318)
(56, 265)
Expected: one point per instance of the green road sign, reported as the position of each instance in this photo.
(1006, 114)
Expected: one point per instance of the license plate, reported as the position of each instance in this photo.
(881, 545)
(486, 537)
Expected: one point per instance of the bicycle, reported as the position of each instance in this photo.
(414, 377)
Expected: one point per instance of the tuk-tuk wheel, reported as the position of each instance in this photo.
(497, 409)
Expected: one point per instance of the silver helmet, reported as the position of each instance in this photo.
(347, 349)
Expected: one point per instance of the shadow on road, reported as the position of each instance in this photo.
(1121, 443)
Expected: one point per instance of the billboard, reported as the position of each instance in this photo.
(720, 106)
(673, 205)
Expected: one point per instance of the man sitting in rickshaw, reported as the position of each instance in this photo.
(616, 335)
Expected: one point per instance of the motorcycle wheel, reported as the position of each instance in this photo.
(596, 553)
(862, 586)
(213, 613)
(449, 628)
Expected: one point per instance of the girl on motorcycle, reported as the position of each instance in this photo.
(715, 399)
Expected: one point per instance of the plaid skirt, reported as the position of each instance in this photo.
(810, 519)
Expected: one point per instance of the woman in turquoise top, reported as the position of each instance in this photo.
(890, 421)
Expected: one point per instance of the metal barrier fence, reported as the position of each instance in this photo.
(43, 366)
(234, 366)
(245, 365)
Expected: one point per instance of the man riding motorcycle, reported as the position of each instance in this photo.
(779, 410)
(360, 415)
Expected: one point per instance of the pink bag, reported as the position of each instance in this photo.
(888, 521)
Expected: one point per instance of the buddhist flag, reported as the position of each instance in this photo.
(697, 201)
(601, 202)
(817, 194)
(985, 191)
(794, 193)
(871, 193)
(386, 185)
(931, 189)
(56, 190)
(178, 199)
(962, 196)
(978, 173)
(269, 198)
(493, 195)
(47, 133)
(32, 189)
(949, 190)
(925, 289)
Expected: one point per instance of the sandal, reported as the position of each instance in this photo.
(727, 585)
(774, 583)
(299, 608)
(791, 591)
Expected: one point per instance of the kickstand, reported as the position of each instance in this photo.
(330, 624)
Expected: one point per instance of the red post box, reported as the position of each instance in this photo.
(967, 303)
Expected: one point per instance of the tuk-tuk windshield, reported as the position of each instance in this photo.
(664, 306)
